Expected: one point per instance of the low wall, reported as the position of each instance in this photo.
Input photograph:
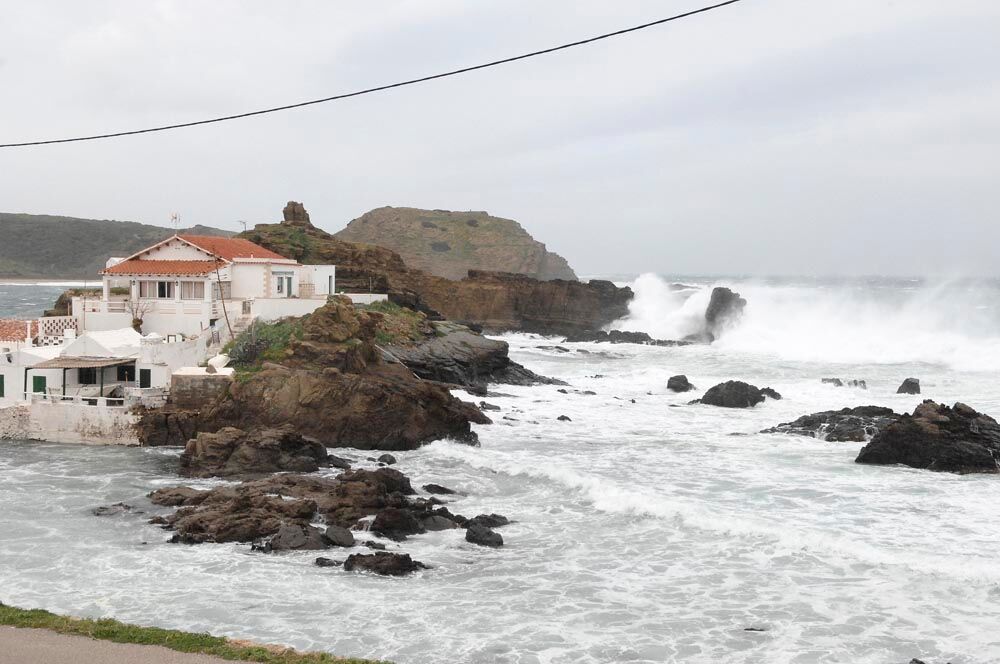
(14, 423)
(67, 422)
(367, 298)
(192, 391)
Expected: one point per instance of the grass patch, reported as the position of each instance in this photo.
(205, 644)
(263, 342)
(399, 325)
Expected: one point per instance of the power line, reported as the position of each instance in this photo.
(380, 88)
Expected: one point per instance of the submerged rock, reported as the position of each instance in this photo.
(339, 536)
(396, 523)
(387, 459)
(232, 452)
(479, 534)
(437, 488)
(936, 437)
(381, 562)
(848, 424)
(679, 384)
(621, 337)
(296, 537)
(327, 562)
(909, 386)
(736, 394)
(111, 510)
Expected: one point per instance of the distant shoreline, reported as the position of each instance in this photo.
(28, 281)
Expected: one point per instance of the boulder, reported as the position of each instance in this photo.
(725, 307)
(232, 452)
(935, 437)
(387, 459)
(770, 393)
(296, 537)
(327, 562)
(489, 520)
(438, 489)
(396, 523)
(339, 536)
(483, 536)
(381, 562)
(736, 394)
(436, 522)
(836, 382)
(679, 384)
(848, 424)
(909, 386)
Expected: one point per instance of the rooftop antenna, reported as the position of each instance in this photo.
(240, 221)
(175, 220)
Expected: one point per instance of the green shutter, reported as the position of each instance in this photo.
(38, 384)
(1, 386)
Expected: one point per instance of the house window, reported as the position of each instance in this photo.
(126, 373)
(162, 290)
(192, 290)
(226, 291)
(86, 376)
(281, 285)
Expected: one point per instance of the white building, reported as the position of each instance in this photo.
(189, 284)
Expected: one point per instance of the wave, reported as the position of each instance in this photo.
(954, 324)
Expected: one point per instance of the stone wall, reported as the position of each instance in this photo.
(14, 423)
(63, 422)
(191, 390)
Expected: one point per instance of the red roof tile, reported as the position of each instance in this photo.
(230, 248)
(15, 330)
(154, 267)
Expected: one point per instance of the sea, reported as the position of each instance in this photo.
(646, 529)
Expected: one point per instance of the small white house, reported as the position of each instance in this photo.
(188, 285)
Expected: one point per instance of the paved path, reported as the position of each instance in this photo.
(39, 646)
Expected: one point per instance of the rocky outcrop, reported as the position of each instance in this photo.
(232, 452)
(479, 534)
(936, 437)
(736, 394)
(724, 310)
(909, 386)
(837, 382)
(383, 563)
(295, 213)
(848, 424)
(679, 384)
(453, 353)
(496, 300)
(449, 244)
(168, 426)
(621, 337)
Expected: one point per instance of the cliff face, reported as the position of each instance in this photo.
(449, 244)
(498, 301)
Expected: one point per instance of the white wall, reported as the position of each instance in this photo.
(249, 280)
(175, 250)
(79, 423)
(320, 278)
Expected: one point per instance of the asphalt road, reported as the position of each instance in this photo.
(39, 646)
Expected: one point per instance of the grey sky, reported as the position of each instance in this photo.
(775, 136)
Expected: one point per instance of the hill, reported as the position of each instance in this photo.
(449, 244)
(39, 246)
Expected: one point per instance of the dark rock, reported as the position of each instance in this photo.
(387, 459)
(857, 383)
(564, 418)
(296, 537)
(936, 437)
(381, 562)
(338, 462)
(735, 394)
(909, 386)
(489, 520)
(836, 382)
(483, 536)
(178, 495)
(327, 562)
(679, 384)
(437, 488)
(339, 536)
(770, 394)
(620, 337)
(488, 406)
(725, 308)
(435, 522)
(377, 546)
(848, 424)
(232, 452)
(396, 523)
(111, 510)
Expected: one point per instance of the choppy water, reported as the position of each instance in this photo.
(645, 532)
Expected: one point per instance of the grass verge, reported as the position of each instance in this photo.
(205, 644)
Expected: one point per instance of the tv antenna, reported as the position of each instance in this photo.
(175, 220)
(240, 221)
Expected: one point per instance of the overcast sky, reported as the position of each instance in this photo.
(770, 137)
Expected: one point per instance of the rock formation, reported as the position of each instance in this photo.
(936, 437)
(848, 424)
(679, 384)
(449, 244)
(295, 213)
(736, 394)
(233, 452)
(496, 300)
(909, 386)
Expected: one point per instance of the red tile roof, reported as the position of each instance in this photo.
(230, 248)
(154, 267)
(15, 330)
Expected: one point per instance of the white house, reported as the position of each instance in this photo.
(188, 285)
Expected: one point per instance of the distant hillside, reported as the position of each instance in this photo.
(449, 244)
(39, 246)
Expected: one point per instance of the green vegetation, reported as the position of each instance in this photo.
(399, 325)
(262, 342)
(42, 246)
(206, 644)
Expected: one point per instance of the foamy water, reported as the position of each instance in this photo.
(646, 530)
